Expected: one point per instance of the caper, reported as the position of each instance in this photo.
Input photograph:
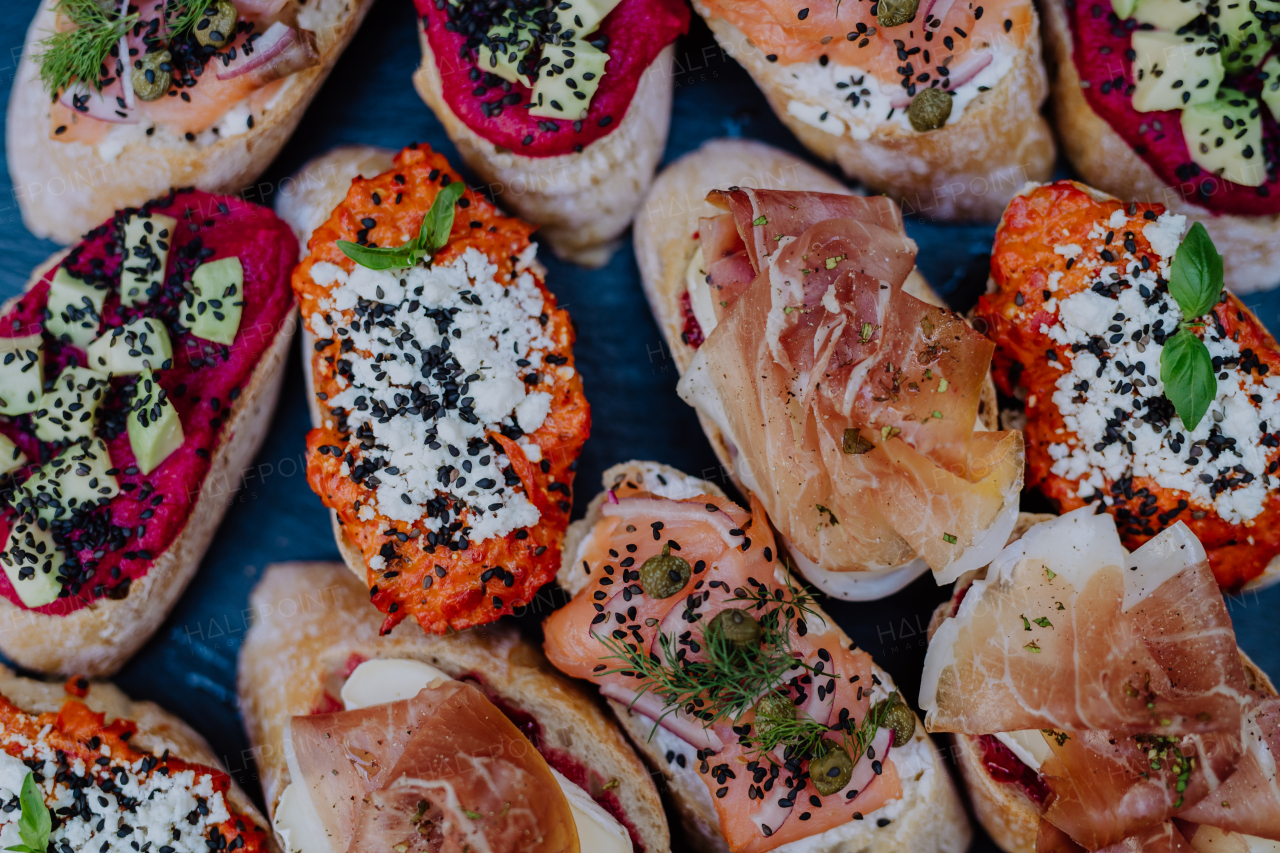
(737, 627)
(891, 13)
(899, 718)
(929, 109)
(832, 770)
(663, 575)
(218, 26)
(772, 709)
(152, 75)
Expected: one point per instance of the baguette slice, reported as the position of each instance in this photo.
(928, 819)
(64, 189)
(158, 730)
(1005, 812)
(1249, 245)
(665, 246)
(583, 202)
(965, 171)
(311, 619)
(97, 640)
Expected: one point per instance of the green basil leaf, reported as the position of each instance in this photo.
(1187, 373)
(34, 823)
(377, 257)
(438, 222)
(1195, 279)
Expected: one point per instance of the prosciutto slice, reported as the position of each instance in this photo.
(1068, 632)
(850, 402)
(1249, 801)
(442, 771)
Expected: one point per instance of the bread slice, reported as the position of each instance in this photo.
(966, 170)
(928, 819)
(1249, 245)
(583, 202)
(66, 188)
(310, 619)
(158, 730)
(1007, 814)
(97, 640)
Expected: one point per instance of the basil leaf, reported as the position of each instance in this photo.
(438, 222)
(1195, 279)
(377, 257)
(1187, 373)
(34, 824)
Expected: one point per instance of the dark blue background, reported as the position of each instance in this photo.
(189, 666)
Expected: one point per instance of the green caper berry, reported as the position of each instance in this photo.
(892, 13)
(929, 109)
(663, 575)
(772, 709)
(218, 27)
(831, 771)
(150, 80)
(736, 626)
(899, 718)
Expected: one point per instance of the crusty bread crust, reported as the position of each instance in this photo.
(310, 619)
(158, 730)
(934, 823)
(583, 202)
(1250, 245)
(66, 188)
(97, 640)
(307, 199)
(965, 171)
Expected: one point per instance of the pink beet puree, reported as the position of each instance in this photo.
(139, 524)
(636, 32)
(1101, 46)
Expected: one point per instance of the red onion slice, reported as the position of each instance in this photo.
(965, 71)
(280, 51)
(677, 722)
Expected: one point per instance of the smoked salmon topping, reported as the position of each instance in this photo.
(106, 794)
(850, 405)
(673, 584)
(452, 415)
(1080, 311)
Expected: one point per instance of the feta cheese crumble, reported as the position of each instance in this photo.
(1112, 399)
(433, 360)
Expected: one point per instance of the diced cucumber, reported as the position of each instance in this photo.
(21, 374)
(74, 310)
(67, 411)
(32, 561)
(577, 18)
(1123, 8)
(508, 44)
(1224, 137)
(11, 457)
(567, 80)
(1172, 72)
(155, 431)
(146, 253)
(213, 311)
(140, 344)
(1271, 86)
(79, 478)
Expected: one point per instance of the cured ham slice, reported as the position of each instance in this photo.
(443, 771)
(850, 402)
(1152, 626)
(764, 799)
(1249, 801)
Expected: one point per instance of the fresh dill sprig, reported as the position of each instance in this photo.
(81, 53)
(808, 739)
(183, 15)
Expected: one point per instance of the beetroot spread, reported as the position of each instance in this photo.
(1007, 768)
(633, 35)
(1102, 45)
(116, 543)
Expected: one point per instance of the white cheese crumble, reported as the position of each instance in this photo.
(438, 358)
(116, 808)
(1112, 398)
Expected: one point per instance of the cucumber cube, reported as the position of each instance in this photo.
(80, 478)
(155, 431)
(21, 374)
(213, 311)
(1172, 72)
(567, 80)
(74, 309)
(11, 457)
(146, 252)
(67, 410)
(1271, 86)
(32, 561)
(508, 44)
(577, 18)
(1224, 137)
(141, 344)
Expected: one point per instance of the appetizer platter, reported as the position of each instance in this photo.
(948, 520)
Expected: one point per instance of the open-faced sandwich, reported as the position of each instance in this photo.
(772, 729)
(83, 768)
(116, 101)
(1147, 387)
(1099, 699)
(562, 108)
(831, 382)
(1176, 101)
(935, 102)
(139, 374)
(412, 742)
(448, 414)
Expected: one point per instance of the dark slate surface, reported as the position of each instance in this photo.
(189, 666)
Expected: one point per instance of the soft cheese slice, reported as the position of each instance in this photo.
(376, 682)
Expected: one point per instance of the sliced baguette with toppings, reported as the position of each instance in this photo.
(312, 625)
